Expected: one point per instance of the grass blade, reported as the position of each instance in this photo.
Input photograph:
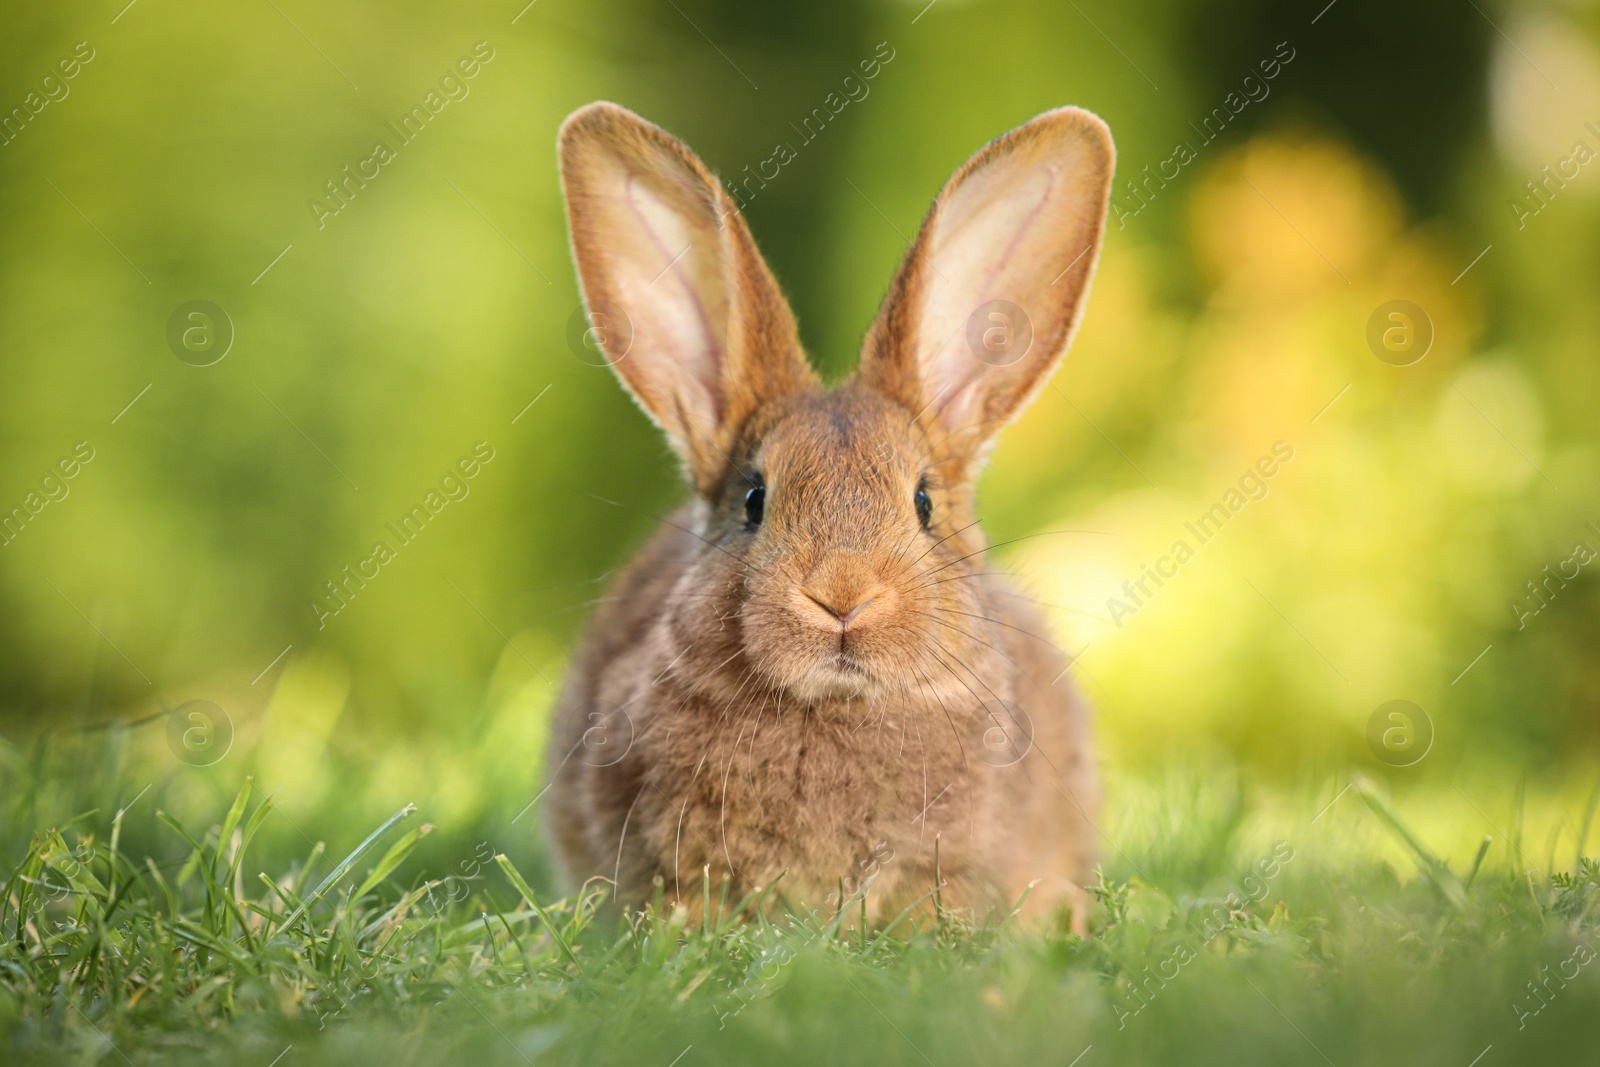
(231, 821)
(1477, 861)
(516, 879)
(1435, 869)
(393, 858)
(1588, 821)
(345, 865)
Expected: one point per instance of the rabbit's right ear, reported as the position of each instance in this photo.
(689, 315)
(992, 289)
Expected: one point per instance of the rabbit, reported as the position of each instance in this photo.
(811, 688)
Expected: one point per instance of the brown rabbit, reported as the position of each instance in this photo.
(812, 676)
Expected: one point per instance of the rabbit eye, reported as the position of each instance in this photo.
(755, 501)
(924, 504)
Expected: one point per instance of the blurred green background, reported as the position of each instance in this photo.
(374, 348)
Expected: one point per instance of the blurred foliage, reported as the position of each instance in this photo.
(373, 353)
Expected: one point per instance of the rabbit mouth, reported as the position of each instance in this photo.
(840, 675)
(847, 665)
(833, 635)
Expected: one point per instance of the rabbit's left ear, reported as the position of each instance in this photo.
(681, 301)
(992, 289)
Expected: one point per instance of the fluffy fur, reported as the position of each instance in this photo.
(837, 692)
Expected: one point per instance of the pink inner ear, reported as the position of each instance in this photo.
(665, 284)
(1003, 259)
(996, 243)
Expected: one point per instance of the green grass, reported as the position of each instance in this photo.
(1214, 943)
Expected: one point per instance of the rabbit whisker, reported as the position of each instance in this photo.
(994, 648)
(942, 540)
(667, 522)
(966, 764)
(1007, 625)
(960, 577)
(1014, 540)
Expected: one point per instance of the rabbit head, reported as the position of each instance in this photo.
(838, 528)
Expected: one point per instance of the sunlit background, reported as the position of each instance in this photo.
(377, 337)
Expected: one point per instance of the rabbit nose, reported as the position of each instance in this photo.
(844, 586)
(845, 615)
